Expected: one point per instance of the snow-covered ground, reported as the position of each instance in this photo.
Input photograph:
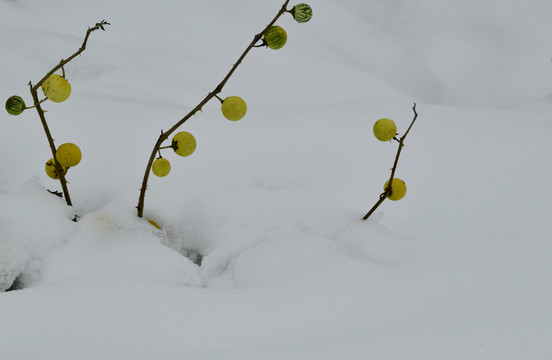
(461, 268)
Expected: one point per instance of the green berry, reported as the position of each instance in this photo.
(15, 105)
(301, 13)
(275, 37)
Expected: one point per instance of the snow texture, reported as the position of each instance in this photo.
(460, 268)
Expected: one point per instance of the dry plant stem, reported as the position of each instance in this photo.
(388, 189)
(59, 169)
(37, 105)
(165, 135)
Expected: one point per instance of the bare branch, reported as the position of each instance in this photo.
(41, 112)
(99, 25)
(165, 135)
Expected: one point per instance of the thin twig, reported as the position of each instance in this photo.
(165, 135)
(99, 25)
(37, 104)
(388, 189)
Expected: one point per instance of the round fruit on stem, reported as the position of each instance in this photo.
(68, 155)
(234, 108)
(275, 37)
(56, 88)
(161, 167)
(15, 105)
(301, 13)
(184, 143)
(385, 129)
(51, 170)
(398, 189)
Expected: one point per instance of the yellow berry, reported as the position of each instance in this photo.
(51, 170)
(184, 143)
(385, 129)
(68, 155)
(234, 108)
(56, 88)
(161, 167)
(398, 189)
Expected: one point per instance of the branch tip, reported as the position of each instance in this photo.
(101, 25)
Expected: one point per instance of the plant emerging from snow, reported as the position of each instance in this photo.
(233, 107)
(56, 88)
(394, 188)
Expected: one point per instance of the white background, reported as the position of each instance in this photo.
(458, 269)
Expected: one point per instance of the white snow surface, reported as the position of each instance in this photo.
(461, 268)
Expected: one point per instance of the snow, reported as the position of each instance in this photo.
(458, 269)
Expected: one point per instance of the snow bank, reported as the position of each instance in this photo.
(458, 268)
